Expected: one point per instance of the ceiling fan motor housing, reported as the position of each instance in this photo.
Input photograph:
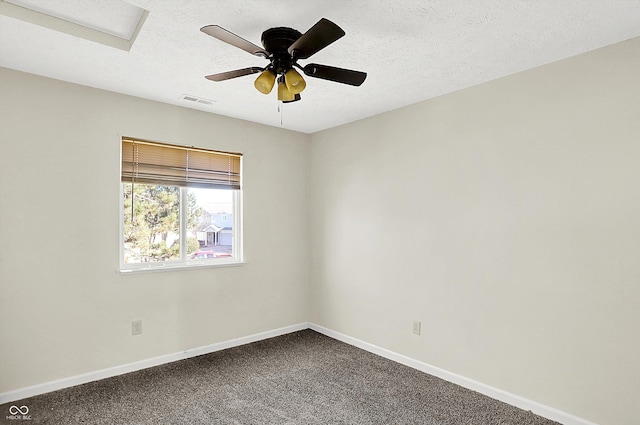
(276, 41)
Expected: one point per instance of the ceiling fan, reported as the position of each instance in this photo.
(283, 47)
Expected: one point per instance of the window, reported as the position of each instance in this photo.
(181, 206)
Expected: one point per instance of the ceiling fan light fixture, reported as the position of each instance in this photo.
(265, 82)
(294, 81)
(295, 99)
(284, 95)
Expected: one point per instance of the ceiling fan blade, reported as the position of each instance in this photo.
(339, 75)
(228, 37)
(319, 36)
(233, 74)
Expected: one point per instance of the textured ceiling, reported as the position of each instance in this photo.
(412, 50)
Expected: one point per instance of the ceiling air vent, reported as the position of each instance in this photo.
(197, 99)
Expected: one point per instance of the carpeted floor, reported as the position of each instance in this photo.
(299, 378)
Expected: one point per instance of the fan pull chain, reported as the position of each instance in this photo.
(281, 111)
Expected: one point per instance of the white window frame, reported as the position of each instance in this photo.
(236, 259)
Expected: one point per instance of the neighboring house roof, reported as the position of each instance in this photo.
(212, 228)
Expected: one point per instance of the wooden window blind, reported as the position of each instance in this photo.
(172, 165)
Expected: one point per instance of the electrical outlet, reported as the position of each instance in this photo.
(416, 327)
(136, 327)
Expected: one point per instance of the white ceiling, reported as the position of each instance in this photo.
(412, 50)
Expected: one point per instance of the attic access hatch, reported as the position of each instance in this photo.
(114, 24)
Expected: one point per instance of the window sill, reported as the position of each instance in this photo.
(190, 265)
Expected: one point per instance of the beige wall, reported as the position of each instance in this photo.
(504, 217)
(64, 308)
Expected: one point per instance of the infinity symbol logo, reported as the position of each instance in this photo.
(14, 410)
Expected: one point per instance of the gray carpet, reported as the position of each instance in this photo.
(299, 378)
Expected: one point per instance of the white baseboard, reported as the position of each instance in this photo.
(495, 393)
(142, 364)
